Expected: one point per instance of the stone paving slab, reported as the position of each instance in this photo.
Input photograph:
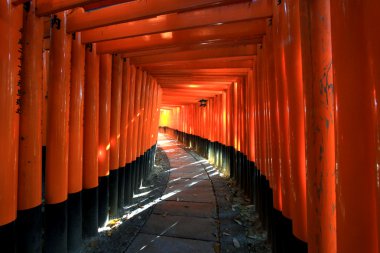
(203, 210)
(190, 183)
(146, 243)
(181, 226)
(194, 195)
(197, 175)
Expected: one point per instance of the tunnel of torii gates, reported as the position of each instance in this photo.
(292, 90)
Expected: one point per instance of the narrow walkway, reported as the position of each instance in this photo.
(200, 211)
(185, 220)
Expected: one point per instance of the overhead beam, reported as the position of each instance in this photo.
(221, 59)
(177, 94)
(197, 87)
(214, 80)
(135, 10)
(194, 78)
(179, 21)
(213, 64)
(234, 31)
(17, 2)
(200, 54)
(200, 72)
(47, 7)
(103, 3)
(187, 47)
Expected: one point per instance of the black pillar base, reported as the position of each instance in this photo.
(113, 192)
(90, 212)
(121, 183)
(29, 230)
(8, 237)
(127, 184)
(74, 229)
(56, 228)
(103, 200)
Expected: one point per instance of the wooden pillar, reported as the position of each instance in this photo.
(74, 232)
(57, 138)
(105, 73)
(354, 73)
(116, 89)
(10, 25)
(90, 142)
(29, 217)
(320, 125)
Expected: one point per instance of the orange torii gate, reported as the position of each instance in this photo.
(291, 113)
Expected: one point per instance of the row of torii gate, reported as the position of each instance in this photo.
(292, 112)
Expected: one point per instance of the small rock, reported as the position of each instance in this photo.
(236, 242)
(226, 234)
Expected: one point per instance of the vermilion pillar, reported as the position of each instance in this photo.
(129, 150)
(57, 138)
(105, 74)
(123, 131)
(90, 142)
(320, 125)
(371, 10)
(10, 25)
(293, 71)
(135, 121)
(130, 115)
(29, 221)
(274, 122)
(116, 89)
(76, 144)
(354, 73)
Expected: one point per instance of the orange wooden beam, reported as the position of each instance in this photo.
(47, 7)
(17, 2)
(189, 93)
(205, 61)
(135, 10)
(194, 78)
(220, 53)
(199, 72)
(103, 3)
(179, 21)
(215, 64)
(234, 31)
(180, 48)
(195, 86)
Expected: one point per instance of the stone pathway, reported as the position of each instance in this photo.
(184, 206)
(185, 220)
(200, 211)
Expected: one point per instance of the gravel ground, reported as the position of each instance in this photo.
(120, 233)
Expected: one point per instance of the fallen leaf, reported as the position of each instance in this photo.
(217, 248)
(238, 222)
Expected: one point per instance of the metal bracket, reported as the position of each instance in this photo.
(55, 21)
(27, 6)
(89, 47)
